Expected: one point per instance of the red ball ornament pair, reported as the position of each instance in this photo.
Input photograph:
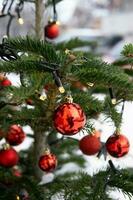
(117, 145)
(52, 30)
(69, 118)
(47, 162)
(90, 144)
(8, 157)
(15, 135)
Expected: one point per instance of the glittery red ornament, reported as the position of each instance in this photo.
(6, 82)
(47, 162)
(117, 145)
(52, 30)
(8, 157)
(15, 135)
(69, 118)
(90, 145)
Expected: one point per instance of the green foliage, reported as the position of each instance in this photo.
(127, 50)
(35, 66)
(89, 103)
(12, 186)
(74, 43)
(111, 112)
(82, 186)
(101, 73)
(124, 61)
(35, 46)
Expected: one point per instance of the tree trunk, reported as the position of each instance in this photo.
(39, 135)
(39, 148)
(39, 11)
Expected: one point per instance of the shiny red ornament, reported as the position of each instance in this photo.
(47, 162)
(69, 118)
(15, 135)
(90, 145)
(117, 145)
(8, 157)
(6, 82)
(52, 30)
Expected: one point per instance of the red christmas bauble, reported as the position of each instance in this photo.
(47, 162)
(30, 102)
(90, 145)
(15, 135)
(69, 118)
(52, 30)
(6, 82)
(117, 145)
(8, 157)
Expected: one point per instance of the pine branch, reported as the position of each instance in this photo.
(27, 66)
(123, 181)
(74, 43)
(111, 112)
(35, 46)
(126, 62)
(127, 50)
(78, 186)
(89, 103)
(103, 74)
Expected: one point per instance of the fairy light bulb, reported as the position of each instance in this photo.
(61, 89)
(17, 197)
(20, 21)
(113, 101)
(58, 23)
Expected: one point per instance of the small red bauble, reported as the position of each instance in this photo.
(117, 145)
(29, 102)
(6, 83)
(90, 145)
(69, 118)
(47, 162)
(15, 135)
(16, 172)
(52, 30)
(8, 157)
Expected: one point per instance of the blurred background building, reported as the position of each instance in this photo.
(109, 16)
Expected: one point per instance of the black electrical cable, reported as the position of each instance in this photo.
(4, 4)
(11, 17)
(54, 11)
(10, 6)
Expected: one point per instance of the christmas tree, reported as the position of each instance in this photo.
(55, 98)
